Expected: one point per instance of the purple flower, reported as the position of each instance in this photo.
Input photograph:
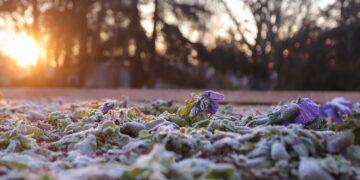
(169, 102)
(160, 102)
(156, 103)
(107, 106)
(124, 103)
(336, 109)
(309, 111)
(61, 101)
(212, 97)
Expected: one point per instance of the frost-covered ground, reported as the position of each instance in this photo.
(195, 139)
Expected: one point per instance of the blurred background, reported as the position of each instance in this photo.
(218, 44)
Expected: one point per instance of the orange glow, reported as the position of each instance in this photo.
(285, 52)
(20, 47)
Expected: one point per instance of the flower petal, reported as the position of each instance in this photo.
(309, 111)
(336, 109)
(328, 111)
(107, 106)
(342, 104)
(213, 107)
(213, 95)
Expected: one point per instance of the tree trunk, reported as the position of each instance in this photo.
(136, 67)
(152, 78)
(35, 26)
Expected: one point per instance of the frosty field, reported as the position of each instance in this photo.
(164, 139)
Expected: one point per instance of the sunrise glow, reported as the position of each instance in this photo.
(20, 47)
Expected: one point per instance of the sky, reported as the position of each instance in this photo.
(221, 22)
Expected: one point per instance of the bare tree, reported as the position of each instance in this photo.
(274, 20)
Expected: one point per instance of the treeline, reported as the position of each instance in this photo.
(285, 44)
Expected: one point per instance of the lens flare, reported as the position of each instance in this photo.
(20, 47)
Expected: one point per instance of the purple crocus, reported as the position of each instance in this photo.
(169, 102)
(206, 102)
(160, 102)
(156, 103)
(107, 106)
(212, 97)
(61, 101)
(124, 103)
(309, 111)
(336, 110)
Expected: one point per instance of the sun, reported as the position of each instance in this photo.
(20, 47)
